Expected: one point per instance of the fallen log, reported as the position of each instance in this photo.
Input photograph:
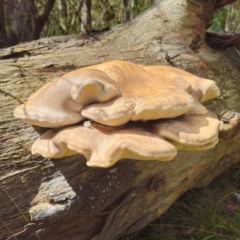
(64, 199)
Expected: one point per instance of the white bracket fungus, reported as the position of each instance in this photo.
(103, 148)
(113, 95)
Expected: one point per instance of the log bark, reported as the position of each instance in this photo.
(64, 199)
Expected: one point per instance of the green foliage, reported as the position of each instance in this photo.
(219, 20)
(140, 6)
(227, 19)
(109, 13)
(105, 14)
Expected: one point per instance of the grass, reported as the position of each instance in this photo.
(212, 212)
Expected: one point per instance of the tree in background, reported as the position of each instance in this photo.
(23, 21)
(26, 20)
(86, 16)
(227, 18)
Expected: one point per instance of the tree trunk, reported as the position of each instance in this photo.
(21, 21)
(107, 15)
(229, 18)
(3, 33)
(86, 18)
(64, 199)
(62, 12)
(127, 10)
(40, 18)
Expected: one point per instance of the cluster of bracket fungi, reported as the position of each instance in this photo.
(118, 110)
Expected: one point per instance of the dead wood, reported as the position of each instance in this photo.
(64, 199)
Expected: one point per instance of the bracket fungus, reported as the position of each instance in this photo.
(201, 89)
(139, 112)
(103, 147)
(60, 102)
(146, 95)
(190, 132)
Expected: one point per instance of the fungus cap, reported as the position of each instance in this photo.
(207, 89)
(146, 95)
(114, 93)
(59, 102)
(103, 148)
(201, 89)
(203, 147)
(190, 132)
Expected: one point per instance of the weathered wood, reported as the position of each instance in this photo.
(64, 199)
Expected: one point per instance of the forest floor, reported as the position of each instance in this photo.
(212, 212)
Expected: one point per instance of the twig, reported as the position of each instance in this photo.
(5, 225)
(18, 209)
(10, 4)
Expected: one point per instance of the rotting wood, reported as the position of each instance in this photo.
(65, 199)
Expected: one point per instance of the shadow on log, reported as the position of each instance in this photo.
(65, 199)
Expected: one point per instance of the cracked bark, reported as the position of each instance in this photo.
(64, 199)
